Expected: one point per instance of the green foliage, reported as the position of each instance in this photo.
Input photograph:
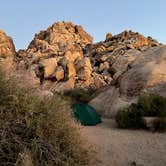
(129, 118)
(160, 124)
(81, 95)
(152, 105)
(42, 128)
(112, 71)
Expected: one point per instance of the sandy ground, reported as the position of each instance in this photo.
(117, 147)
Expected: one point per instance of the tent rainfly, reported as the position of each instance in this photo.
(85, 114)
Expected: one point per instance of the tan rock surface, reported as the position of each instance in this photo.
(147, 73)
(71, 70)
(64, 43)
(84, 69)
(7, 48)
(59, 36)
(49, 66)
(66, 52)
(7, 53)
(69, 59)
(59, 74)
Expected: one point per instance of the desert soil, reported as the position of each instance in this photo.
(119, 147)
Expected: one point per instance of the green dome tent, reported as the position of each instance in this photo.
(85, 114)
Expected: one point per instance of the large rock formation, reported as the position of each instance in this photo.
(147, 73)
(7, 48)
(62, 39)
(115, 54)
(63, 57)
(58, 38)
(56, 55)
(7, 52)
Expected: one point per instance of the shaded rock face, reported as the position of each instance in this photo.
(147, 73)
(112, 57)
(118, 45)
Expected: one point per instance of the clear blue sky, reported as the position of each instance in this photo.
(21, 19)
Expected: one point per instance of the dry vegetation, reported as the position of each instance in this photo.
(38, 132)
(149, 105)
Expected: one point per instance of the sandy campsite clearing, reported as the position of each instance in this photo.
(117, 147)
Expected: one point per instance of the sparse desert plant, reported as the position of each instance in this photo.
(129, 118)
(160, 124)
(152, 105)
(39, 131)
(148, 105)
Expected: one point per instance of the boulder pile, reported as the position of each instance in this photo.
(7, 52)
(146, 74)
(7, 48)
(64, 57)
(56, 56)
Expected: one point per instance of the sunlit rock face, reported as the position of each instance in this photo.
(58, 38)
(7, 48)
(56, 55)
(7, 53)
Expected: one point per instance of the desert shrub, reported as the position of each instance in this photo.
(41, 130)
(81, 95)
(160, 124)
(129, 117)
(152, 105)
(112, 71)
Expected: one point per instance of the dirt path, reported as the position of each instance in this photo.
(117, 147)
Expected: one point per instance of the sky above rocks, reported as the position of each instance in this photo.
(22, 19)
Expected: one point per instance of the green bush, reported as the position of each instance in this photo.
(129, 118)
(152, 105)
(38, 131)
(160, 124)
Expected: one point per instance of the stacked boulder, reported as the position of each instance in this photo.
(64, 57)
(56, 55)
(117, 52)
(146, 74)
(7, 52)
(7, 48)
